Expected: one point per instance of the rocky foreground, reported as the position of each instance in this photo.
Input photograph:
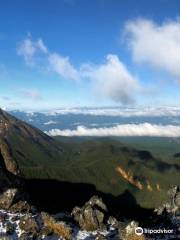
(19, 220)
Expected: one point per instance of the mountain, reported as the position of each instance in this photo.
(71, 118)
(109, 166)
(24, 147)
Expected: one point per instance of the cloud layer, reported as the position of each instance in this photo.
(144, 129)
(121, 112)
(155, 44)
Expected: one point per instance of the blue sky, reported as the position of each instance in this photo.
(56, 53)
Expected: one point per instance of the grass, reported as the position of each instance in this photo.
(59, 228)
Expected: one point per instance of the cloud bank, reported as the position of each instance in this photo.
(116, 111)
(155, 44)
(144, 129)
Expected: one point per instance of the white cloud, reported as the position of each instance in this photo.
(63, 67)
(112, 79)
(156, 44)
(144, 129)
(40, 45)
(28, 49)
(117, 111)
(49, 122)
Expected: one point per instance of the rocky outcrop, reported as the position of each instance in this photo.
(29, 224)
(128, 231)
(92, 215)
(14, 200)
(36, 226)
(7, 198)
(168, 214)
(5, 151)
(172, 206)
(91, 222)
(7, 158)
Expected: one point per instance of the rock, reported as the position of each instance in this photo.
(13, 199)
(7, 198)
(99, 236)
(6, 154)
(46, 231)
(22, 207)
(113, 222)
(168, 214)
(172, 206)
(25, 236)
(10, 228)
(96, 201)
(92, 215)
(130, 228)
(128, 232)
(177, 199)
(29, 225)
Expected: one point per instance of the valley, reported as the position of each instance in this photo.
(91, 161)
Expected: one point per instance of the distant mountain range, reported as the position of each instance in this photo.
(71, 118)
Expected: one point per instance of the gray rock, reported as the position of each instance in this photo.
(29, 224)
(7, 198)
(172, 206)
(92, 215)
(113, 222)
(177, 199)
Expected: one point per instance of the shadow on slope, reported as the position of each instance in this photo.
(54, 196)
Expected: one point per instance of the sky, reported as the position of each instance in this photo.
(66, 53)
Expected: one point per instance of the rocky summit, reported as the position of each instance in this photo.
(19, 220)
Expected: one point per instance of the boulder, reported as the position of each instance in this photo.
(172, 206)
(113, 222)
(92, 215)
(8, 197)
(168, 214)
(29, 225)
(14, 200)
(129, 232)
(22, 207)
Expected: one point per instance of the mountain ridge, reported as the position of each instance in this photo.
(31, 154)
